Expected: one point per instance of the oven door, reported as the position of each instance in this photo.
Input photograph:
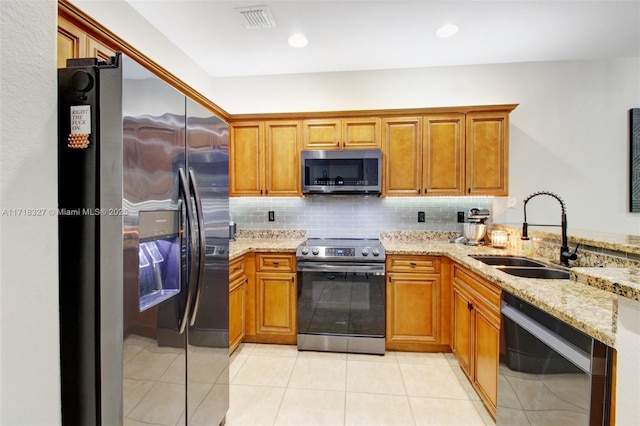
(341, 307)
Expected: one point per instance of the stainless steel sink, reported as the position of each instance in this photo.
(544, 273)
(521, 266)
(509, 261)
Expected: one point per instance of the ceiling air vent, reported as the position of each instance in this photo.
(256, 17)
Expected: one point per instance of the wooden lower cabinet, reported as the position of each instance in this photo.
(417, 304)
(236, 313)
(237, 301)
(475, 339)
(461, 339)
(271, 315)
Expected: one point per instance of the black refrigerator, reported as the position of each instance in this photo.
(143, 250)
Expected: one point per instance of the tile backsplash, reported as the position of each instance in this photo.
(353, 216)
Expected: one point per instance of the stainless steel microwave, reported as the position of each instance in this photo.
(342, 171)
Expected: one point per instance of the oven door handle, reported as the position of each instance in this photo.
(372, 268)
(549, 338)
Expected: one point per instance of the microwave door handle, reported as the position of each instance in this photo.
(191, 242)
(202, 245)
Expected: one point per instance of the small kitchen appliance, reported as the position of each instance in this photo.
(475, 228)
(350, 171)
(341, 295)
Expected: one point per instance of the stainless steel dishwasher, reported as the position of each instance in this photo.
(550, 373)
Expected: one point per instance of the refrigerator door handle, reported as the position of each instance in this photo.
(195, 191)
(192, 240)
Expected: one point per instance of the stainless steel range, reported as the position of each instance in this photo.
(341, 295)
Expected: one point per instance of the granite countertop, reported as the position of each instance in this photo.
(622, 281)
(245, 245)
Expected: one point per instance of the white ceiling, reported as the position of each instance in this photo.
(375, 35)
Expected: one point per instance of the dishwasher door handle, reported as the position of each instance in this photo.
(549, 338)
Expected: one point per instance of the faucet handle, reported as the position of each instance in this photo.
(567, 255)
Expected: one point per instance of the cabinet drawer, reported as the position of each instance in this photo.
(275, 262)
(415, 264)
(489, 292)
(236, 268)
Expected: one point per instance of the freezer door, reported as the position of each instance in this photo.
(157, 250)
(208, 332)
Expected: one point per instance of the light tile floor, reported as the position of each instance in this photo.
(277, 385)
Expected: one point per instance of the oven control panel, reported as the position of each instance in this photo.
(340, 251)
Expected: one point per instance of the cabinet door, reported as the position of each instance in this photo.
(72, 42)
(245, 159)
(95, 49)
(487, 350)
(412, 308)
(321, 134)
(361, 133)
(236, 313)
(461, 339)
(443, 155)
(276, 303)
(402, 148)
(282, 149)
(487, 153)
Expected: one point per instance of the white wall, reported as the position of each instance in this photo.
(29, 361)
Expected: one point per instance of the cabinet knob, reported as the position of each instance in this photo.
(469, 305)
(469, 190)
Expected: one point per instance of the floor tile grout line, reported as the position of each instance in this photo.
(286, 388)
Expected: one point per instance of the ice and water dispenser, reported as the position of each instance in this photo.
(159, 255)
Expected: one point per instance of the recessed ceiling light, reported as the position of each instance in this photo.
(447, 30)
(298, 40)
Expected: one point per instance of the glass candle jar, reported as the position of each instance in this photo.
(499, 238)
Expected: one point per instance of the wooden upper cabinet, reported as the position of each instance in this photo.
(245, 165)
(264, 158)
(95, 49)
(487, 153)
(282, 160)
(443, 155)
(353, 133)
(402, 159)
(454, 154)
(73, 42)
(363, 133)
(321, 134)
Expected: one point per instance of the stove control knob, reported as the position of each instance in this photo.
(304, 250)
(376, 252)
(365, 252)
(315, 251)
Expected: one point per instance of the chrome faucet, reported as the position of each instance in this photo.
(565, 254)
